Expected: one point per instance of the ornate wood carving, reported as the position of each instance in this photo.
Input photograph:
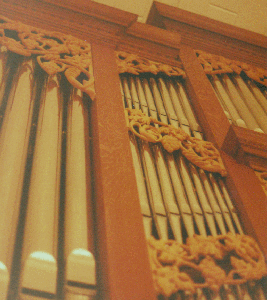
(201, 153)
(216, 64)
(205, 262)
(54, 51)
(132, 63)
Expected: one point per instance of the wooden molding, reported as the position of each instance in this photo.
(65, 20)
(257, 163)
(98, 10)
(198, 21)
(251, 142)
(97, 23)
(149, 50)
(212, 36)
(154, 34)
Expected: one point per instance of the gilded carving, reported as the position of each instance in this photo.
(132, 63)
(201, 153)
(204, 262)
(55, 52)
(216, 64)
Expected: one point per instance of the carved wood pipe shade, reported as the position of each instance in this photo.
(55, 52)
(201, 153)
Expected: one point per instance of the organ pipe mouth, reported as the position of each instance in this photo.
(4, 278)
(36, 294)
(40, 274)
(80, 272)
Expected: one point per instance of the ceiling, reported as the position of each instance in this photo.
(247, 14)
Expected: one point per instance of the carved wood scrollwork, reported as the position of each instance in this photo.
(201, 153)
(216, 64)
(204, 262)
(55, 52)
(132, 63)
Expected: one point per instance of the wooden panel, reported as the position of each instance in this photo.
(121, 248)
(250, 200)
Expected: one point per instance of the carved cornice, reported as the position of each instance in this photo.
(132, 63)
(204, 262)
(216, 64)
(201, 153)
(55, 52)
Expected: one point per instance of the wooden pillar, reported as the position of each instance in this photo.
(206, 105)
(242, 183)
(124, 271)
(250, 199)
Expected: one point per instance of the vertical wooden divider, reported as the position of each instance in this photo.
(123, 265)
(241, 181)
(206, 105)
(250, 199)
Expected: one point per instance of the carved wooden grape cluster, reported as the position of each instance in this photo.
(201, 153)
(55, 52)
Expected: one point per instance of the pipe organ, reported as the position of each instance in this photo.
(113, 133)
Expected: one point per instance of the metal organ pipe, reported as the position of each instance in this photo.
(251, 102)
(3, 58)
(14, 137)
(239, 104)
(39, 256)
(258, 94)
(31, 184)
(80, 272)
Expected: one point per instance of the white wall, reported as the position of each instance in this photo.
(247, 14)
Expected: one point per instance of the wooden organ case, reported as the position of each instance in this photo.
(170, 38)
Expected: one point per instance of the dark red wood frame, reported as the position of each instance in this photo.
(123, 266)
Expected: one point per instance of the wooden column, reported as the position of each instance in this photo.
(206, 105)
(250, 199)
(122, 257)
(242, 183)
